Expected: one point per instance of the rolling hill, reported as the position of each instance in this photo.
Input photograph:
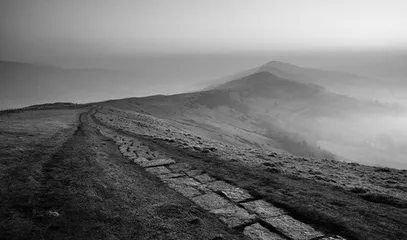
(263, 110)
(353, 85)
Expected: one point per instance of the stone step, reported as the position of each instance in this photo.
(258, 232)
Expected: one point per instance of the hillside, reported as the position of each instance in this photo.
(341, 82)
(267, 111)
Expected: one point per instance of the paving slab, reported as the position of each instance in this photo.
(204, 178)
(332, 237)
(180, 167)
(157, 162)
(139, 160)
(233, 193)
(182, 181)
(237, 194)
(171, 175)
(204, 188)
(187, 191)
(293, 228)
(219, 186)
(161, 170)
(263, 209)
(234, 216)
(194, 172)
(258, 232)
(211, 201)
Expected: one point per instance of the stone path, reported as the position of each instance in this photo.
(258, 219)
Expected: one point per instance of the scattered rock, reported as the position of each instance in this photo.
(53, 213)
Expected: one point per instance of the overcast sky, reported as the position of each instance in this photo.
(45, 29)
(172, 44)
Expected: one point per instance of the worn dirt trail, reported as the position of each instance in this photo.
(88, 190)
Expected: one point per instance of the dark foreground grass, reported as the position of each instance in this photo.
(86, 189)
(330, 208)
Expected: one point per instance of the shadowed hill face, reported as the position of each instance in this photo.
(269, 85)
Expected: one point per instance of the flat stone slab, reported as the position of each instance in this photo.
(258, 232)
(211, 201)
(180, 167)
(194, 172)
(263, 209)
(237, 194)
(204, 178)
(182, 181)
(139, 160)
(233, 193)
(158, 170)
(219, 186)
(157, 162)
(332, 237)
(171, 175)
(293, 228)
(204, 188)
(187, 191)
(233, 215)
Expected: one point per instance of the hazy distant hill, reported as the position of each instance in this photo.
(353, 85)
(23, 84)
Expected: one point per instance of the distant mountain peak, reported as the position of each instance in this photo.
(279, 64)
